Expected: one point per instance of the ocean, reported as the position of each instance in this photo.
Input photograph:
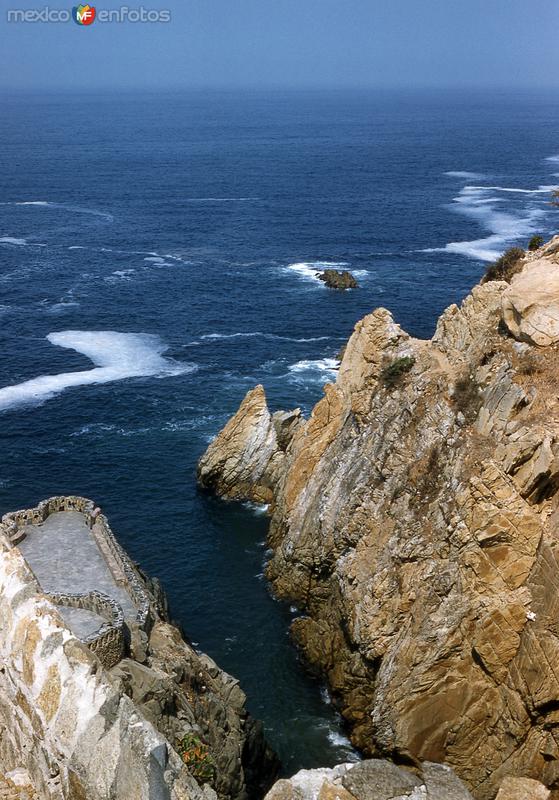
(158, 257)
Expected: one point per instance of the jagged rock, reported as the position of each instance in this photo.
(373, 779)
(338, 279)
(245, 458)
(414, 525)
(531, 304)
(522, 789)
(80, 731)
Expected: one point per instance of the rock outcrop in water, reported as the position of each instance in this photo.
(71, 729)
(414, 523)
(338, 279)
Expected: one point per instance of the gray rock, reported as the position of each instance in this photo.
(376, 779)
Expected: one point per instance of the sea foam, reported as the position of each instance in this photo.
(469, 176)
(309, 270)
(116, 356)
(504, 226)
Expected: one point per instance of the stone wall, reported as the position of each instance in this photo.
(108, 642)
(75, 733)
(13, 526)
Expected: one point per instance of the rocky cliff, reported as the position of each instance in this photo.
(164, 723)
(414, 523)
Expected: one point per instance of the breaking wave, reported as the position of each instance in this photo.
(116, 356)
(217, 336)
(504, 226)
(309, 269)
(64, 207)
(469, 176)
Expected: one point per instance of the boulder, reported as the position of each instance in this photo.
(530, 306)
(522, 789)
(338, 279)
(373, 779)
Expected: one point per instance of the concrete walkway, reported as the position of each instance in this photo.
(65, 558)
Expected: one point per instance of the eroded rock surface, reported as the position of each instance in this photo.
(374, 779)
(414, 525)
(245, 459)
(72, 730)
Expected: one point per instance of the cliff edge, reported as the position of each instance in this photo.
(414, 523)
(101, 698)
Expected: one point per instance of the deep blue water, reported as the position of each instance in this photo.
(178, 216)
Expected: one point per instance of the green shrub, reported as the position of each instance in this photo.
(535, 242)
(506, 266)
(392, 373)
(196, 756)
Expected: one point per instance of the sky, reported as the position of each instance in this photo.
(288, 43)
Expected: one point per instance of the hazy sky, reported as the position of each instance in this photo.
(290, 43)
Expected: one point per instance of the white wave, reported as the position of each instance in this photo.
(217, 336)
(472, 176)
(338, 739)
(12, 240)
(157, 261)
(120, 275)
(309, 270)
(512, 189)
(219, 199)
(64, 305)
(66, 207)
(116, 356)
(554, 159)
(505, 227)
(256, 508)
(317, 368)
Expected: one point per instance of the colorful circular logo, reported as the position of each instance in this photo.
(83, 15)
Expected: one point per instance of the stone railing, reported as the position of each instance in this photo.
(119, 562)
(108, 641)
(117, 559)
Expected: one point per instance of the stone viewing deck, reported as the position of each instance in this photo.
(83, 570)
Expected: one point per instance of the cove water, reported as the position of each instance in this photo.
(157, 260)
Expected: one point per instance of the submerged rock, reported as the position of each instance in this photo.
(338, 279)
(414, 525)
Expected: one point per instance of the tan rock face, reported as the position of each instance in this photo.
(522, 789)
(414, 524)
(244, 460)
(531, 304)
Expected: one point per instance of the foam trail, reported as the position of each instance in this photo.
(469, 176)
(12, 240)
(64, 207)
(480, 203)
(217, 336)
(116, 355)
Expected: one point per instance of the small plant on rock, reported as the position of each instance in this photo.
(196, 755)
(392, 373)
(506, 266)
(535, 242)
